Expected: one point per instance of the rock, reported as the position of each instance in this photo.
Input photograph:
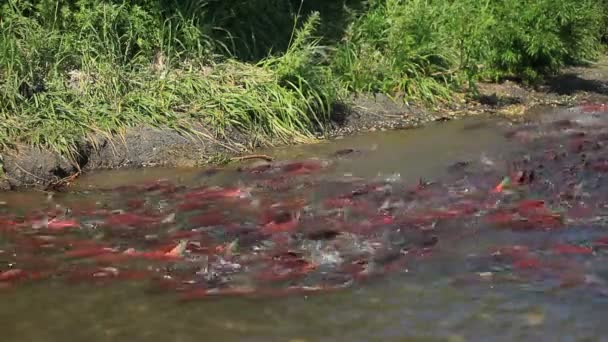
(30, 166)
(148, 146)
(27, 166)
(4, 184)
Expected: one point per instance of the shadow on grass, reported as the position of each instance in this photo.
(570, 83)
(251, 29)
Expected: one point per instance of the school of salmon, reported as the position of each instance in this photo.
(285, 229)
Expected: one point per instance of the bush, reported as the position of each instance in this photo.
(422, 48)
(605, 11)
(72, 69)
(534, 38)
(397, 47)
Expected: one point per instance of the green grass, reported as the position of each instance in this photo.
(59, 86)
(605, 24)
(423, 49)
(73, 69)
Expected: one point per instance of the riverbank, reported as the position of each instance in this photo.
(147, 146)
(93, 85)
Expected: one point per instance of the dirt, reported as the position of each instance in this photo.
(27, 166)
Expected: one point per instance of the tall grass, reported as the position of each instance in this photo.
(75, 68)
(539, 37)
(252, 29)
(423, 48)
(605, 24)
(399, 47)
(103, 66)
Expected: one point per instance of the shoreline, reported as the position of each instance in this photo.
(144, 146)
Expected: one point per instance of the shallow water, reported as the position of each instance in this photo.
(453, 293)
(412, 153)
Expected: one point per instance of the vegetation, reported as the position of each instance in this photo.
(424, 48)
(71, 69)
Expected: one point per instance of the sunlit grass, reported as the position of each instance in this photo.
(56, 97)
(70, 70)
(424, 49)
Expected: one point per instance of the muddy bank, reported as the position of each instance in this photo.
(26, 166)
(138, 147)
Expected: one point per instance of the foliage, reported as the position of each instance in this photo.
(605, 24)
(539, 37)
(422, 48)
(113, 65)
(75, 68)
(398, 46)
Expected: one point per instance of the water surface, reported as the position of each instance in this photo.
(455, 292)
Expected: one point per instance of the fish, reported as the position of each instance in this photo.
(594, 108)
(284, 224)
(12, 275)
(58, 225)
(302, 167)
(502, 185)
(216, 193)
(152, 255)
(87, 252)
(572, 249)
(130, 220)
(178, 250)
(527, 263)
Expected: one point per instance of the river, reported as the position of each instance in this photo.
(385, 236)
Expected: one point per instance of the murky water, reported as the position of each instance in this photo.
(452, 291)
